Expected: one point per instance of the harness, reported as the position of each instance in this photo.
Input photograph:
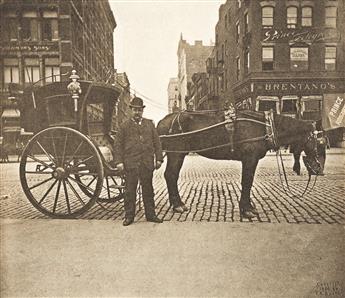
(270, 135)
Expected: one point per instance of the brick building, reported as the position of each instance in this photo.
(42, 40)
(191, 59)
(174, 100)
(285, 55)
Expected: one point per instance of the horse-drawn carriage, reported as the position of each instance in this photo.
(66, 167)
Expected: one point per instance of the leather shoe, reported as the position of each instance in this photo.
(127, 221)
(155, 219)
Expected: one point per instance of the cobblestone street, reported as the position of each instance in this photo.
(211, 189)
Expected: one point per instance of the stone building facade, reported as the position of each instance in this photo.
(285, 55)
(43, 40)
(174, 100)
(191, 59)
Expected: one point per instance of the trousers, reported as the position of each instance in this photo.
(132, 178)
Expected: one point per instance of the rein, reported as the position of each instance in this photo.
(286, 187)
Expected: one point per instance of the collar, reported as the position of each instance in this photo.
(140, 121)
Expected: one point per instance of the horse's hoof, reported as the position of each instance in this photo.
(249, 214)
(184, 207)
(178, 209)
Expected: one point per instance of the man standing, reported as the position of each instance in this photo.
(137, 151)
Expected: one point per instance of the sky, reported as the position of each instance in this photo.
(146, 40)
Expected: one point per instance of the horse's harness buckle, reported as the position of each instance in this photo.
(271, 133)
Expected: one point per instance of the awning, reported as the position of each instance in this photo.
(10, 113)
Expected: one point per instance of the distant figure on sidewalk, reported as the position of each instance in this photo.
(137, 151)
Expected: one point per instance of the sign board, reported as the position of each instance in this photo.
(333, 112)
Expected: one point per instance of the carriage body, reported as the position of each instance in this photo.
(66, 167)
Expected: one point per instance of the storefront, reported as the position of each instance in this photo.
(299, 98)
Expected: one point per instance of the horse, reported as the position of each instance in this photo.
(206, 134)
(322, 144)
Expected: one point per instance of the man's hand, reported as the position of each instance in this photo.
(158, 164)
(120, 167)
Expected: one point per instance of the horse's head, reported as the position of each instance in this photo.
(315, 150)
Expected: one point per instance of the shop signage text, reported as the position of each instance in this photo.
(302, 35)
(29, 48)
(298, 86)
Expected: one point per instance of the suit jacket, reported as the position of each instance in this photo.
(137, 144)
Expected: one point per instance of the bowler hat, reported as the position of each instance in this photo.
(136, 102)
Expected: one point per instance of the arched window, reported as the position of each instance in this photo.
(331, 17)
(307, 16)
(291, 17)
(267, 16)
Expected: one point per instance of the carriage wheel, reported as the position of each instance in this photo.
(48, 167)
(113, 189)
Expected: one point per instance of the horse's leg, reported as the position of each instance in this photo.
(249, 165)
(297, 166)
(171, 174)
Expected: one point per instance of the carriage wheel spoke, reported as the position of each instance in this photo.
(94, 178)
(64, 150)
(66, 196)
(54, 146)
(108, 189)
(47, 192)
(40, 183)
(86, 174)
(45, 152)
(75, 152)
(83, 160)
(57, 196)
(81, 184)
(38, 173)
(40, 161)
(75, 192)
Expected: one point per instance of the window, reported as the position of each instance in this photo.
(267, 104)
(30, 29)
(289, 104)
(246, 61)
(10, 25)
(299, 58)
(52, 70)
(50, 26)
(238, 31)
(31, 70)
(238, 67)
(307, 16)
(267, 16)
(11, 70)
(291, 17)
(331, 17)
(267, 58)
(246, 23)
(330, 58)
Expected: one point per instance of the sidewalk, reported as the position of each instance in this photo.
(70, 258)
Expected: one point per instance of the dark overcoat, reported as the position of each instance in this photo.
(137, 144)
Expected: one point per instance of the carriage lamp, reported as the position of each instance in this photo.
(74, 88)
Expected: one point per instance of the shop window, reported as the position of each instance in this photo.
(267, 16)
(289, 105)
(267, 58)
(291, 17)
(29, 26)
(330, 58)
(52, 70)
(299, 58)
(11, 71)
(267, 104)
(307, 16)
(331, 17)
(311, 107)
(31, 70)
(50, 26)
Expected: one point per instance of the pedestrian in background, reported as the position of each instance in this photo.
(137, 152)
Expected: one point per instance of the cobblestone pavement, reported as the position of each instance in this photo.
(211, 189)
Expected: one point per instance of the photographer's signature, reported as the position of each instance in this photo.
(329, 289)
